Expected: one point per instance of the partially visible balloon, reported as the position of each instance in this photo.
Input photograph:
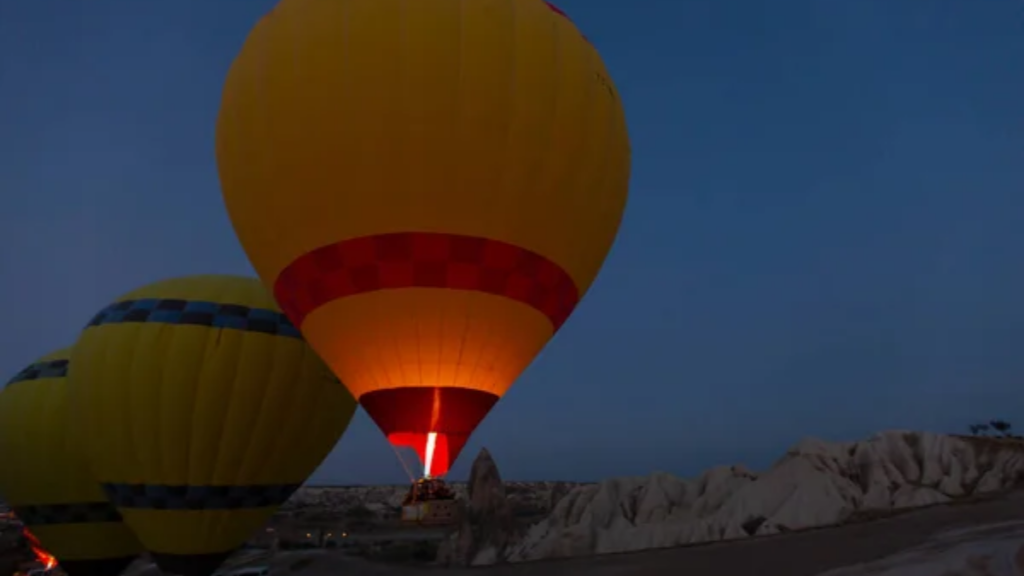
(203, 410)
(45, 479)
(429, 187)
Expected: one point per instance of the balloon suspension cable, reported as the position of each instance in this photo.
(401, 461)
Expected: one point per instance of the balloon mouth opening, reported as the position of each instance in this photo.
(431, 453)
(434, 422)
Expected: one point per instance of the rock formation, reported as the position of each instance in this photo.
(487, 525)
(814, 484)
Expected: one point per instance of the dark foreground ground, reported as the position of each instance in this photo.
(799, 554)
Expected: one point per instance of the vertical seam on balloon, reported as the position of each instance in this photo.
(383, 375)
(234, 294)
(123, 403)
(48, 404)
(472, 303)
(312, 427)
(462, 300)
(132, 428)
(344, 63)
(41, 412)
(281, 441)
(136, 374)
(19, 417)
(35, 403)
(481, 350)
(163, 382)
(546, 176)
(299, 399)
(488, 342)
(267, 459)
(492, 342)
(162, 456)
(520, 218)
(80, 425)
(214, 523)
(259, 421)
(37, 406)
(379, 361)
(143, 418)
(195, 400)
(550, 174)
(23, 416)
(318, 426)
(397, 347)
(418, 321)
(450, 311)
(88, 395)
(388, 348)
(237, 367)
(66, 436)
(236, 384)
(273, 455)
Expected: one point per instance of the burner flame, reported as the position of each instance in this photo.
(42, 556)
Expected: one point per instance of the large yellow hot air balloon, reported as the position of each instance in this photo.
(202, 410)
(429, 187)
(46, 480)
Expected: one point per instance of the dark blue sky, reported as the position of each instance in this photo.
(825, 234)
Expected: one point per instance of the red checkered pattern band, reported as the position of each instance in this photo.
(424, 260)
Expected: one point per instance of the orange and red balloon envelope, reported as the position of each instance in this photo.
(428, 187)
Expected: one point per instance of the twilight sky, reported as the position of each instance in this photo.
(824, 236)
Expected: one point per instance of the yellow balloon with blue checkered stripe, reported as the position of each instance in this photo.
(202, 410)
(45, 477)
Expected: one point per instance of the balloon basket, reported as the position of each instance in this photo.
(430, 502)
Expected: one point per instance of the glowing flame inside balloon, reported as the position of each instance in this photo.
(42, 556)
(428, 460)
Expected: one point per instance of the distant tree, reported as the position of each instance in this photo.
(983, 429)
(1001, 426)
(975, 429)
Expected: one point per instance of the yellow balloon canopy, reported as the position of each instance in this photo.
(428, 187)
(202, 410)
(45, 477)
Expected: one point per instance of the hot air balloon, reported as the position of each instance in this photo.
(45, 478)
(202, 410)
(428, 187)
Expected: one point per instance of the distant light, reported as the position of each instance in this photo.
(344, 534)
(307, 536)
